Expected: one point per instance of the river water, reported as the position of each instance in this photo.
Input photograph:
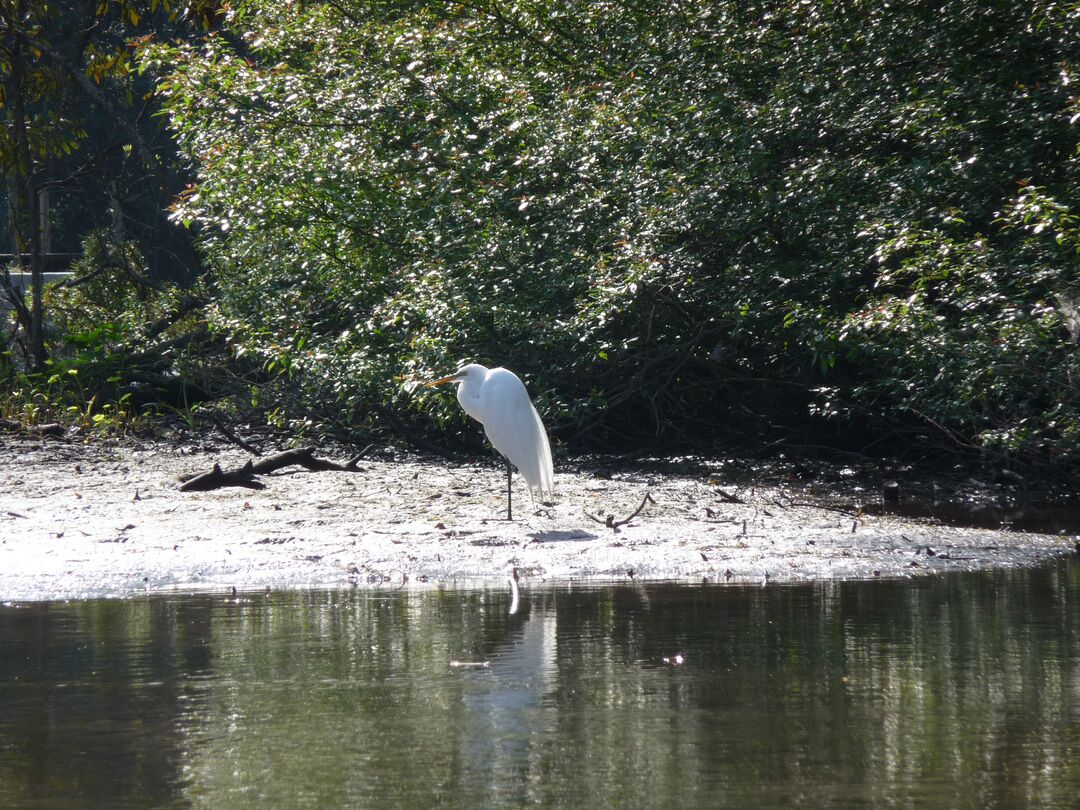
(958, 691)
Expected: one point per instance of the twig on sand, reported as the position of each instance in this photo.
(610, 521)
(232, 437)
(727, 496)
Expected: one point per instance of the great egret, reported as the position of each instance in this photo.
(497, 399)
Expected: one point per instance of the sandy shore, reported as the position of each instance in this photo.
(95, 520)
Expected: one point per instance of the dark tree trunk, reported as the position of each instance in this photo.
(26, 202)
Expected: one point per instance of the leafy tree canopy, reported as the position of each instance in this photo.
(665, 215)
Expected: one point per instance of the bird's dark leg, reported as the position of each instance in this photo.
(509, 491)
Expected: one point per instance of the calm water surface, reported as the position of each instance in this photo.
(951, 692)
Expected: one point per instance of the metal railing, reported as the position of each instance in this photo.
(54, 262)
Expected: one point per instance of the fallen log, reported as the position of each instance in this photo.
(50, 429)
(218, 478)
(245, 476)
(305, 457)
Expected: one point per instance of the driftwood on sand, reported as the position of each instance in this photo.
(245, 476)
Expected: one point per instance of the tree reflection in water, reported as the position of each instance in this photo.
(957, 691)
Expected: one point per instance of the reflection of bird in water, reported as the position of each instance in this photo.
(497, 399)
(507, 702)
(515, 595)
(525, 663)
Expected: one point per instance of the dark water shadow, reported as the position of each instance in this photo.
(1044, 519)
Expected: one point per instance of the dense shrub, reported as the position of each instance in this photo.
(664, 218)
(122, 347)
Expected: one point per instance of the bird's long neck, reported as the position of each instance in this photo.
(468, 394)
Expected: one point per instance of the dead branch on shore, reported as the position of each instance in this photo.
(610, 521)
(244, 476)
(218, 478)
(727, 496)
(232, 437)
(37, 431)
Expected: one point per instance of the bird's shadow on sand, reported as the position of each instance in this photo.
(560, 535)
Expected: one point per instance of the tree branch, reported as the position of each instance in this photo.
(91, 90)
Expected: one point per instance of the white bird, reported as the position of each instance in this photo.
(497, 399)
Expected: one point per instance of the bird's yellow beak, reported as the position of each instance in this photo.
(441, 381)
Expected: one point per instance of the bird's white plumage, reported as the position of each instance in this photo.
(497, 399)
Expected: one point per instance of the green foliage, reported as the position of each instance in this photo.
(865, 208)
(111, 337)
